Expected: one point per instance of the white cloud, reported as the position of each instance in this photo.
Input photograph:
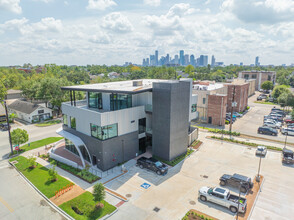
(117, 22)
(154, 3)
(45, 1)
(10, 5)
(100, 4)
(263, 12)
(14, 24)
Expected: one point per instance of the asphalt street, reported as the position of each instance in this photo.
(18, 200)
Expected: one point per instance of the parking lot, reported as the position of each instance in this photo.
(249, 123)
(177, 192)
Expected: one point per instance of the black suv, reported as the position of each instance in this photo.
(267, 130)
(152, 164)
(237, 180)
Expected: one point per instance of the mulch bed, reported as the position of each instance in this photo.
(197, 145)
(251, 196)
(193, 217)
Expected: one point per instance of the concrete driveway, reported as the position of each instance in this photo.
(177, 192)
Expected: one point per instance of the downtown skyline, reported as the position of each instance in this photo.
(112, 32)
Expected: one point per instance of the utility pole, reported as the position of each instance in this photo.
(7, 119)
(258, 177)
(123, 150)
(232, 108)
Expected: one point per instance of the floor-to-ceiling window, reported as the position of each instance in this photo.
(95, 100)
(104, 132)
(120, 101)
(69, 145)
(65, 121)
(85, 153)
(142, 125)
(73, 122)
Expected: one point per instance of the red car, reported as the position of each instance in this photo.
(289, 121)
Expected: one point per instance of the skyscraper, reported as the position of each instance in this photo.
(182, 58)
(177, 59)
(186, 60)
(257, 61)
(156, 57)
(212, 61)
(192, 60)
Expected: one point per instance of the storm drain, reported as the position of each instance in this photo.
(128, 195)
(204, 176)
(156, 209)
(192, 202)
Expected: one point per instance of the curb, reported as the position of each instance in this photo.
(59, 210)
(249, 216)
(116, 196)
(109, 215)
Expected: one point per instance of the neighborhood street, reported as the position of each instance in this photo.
(18, 200)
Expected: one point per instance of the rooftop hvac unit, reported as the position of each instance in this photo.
(205, 88)
(138, 83)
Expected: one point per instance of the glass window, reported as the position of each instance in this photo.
(269, 78)
(105, 132)
(254, 76)
(73, 122)
(95, 100)
(246, 76)
(65, 121)
(84, 152)
(142, 125)
(120, 101)
(194, 108)
(203, 100)
(71, 147)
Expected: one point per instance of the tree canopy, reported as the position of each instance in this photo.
(267, 85)
(19, 136)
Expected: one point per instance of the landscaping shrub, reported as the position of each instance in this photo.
(177, 159)
(195, 215)
(83, 174)
(246, 143)
(221, 131)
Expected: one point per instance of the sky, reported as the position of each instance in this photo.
(81, 32)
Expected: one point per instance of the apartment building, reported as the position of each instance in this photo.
(260, 76)
(119, 120)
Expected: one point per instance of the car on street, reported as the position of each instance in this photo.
(289, 121)
(287, 156)
(287, 131)
(279, 124)
(229, 115)
(153, 165)
(223, 197)
(263, 96)
(238, 114)
(259, 98)
(267, 130)
(261, 151)
(237, 180)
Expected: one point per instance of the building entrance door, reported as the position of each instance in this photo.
(94, 161)
(209, 120)
(142, 145)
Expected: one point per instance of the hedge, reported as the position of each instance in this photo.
(247, 143)
(221, 131)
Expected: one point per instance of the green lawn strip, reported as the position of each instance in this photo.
(86, 205)
(247, 143)
(48, 123)
(39, 143)
(39, 177)
(177, 159)
(266, 103)
(220, 131)
(83, 174)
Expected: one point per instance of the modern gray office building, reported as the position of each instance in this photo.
(119, 120)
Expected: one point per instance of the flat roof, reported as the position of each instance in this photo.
(210, 87)
(118, 87)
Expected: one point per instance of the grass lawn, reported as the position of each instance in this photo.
(86, 205)
(176, 160)
(37, 144)
(39, 177)
(48, 123)
(267, 103)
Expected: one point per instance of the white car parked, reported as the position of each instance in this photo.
(271, 124)
(261, 151)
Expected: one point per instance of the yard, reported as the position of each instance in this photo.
(86, 207)
(37, 144)
(39, 177)
(48, 123)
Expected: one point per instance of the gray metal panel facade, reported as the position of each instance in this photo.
(109, 152)
(170, 118)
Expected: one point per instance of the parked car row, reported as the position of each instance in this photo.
(234, 118)
(272, 122)
(223, 196)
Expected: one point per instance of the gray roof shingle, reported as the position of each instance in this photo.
(22, 106)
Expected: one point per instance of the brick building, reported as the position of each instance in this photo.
(216, 109)
(241, 96)
(260, 76)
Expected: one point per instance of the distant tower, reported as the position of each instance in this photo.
(192, 60)
(156, 57)
(256, 61)
(186, 62)
(182, 58)
(212, 61)
(177, 59)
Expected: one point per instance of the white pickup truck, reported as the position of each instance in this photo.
(223, 197)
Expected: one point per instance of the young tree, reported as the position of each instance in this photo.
(32, 162)
(98, 193)
(52, 174)
(267, 85)
(12, 116)
(19, 136)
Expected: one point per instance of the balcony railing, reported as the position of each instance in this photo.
(148, 108)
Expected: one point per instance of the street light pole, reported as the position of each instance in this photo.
(123, 150)
(258, 177)
(241, 183)
(7, 119)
